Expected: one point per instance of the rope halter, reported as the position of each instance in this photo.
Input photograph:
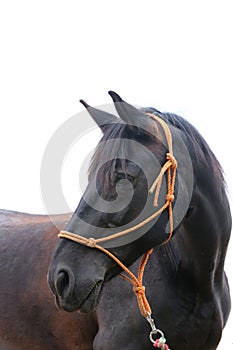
(170, 168)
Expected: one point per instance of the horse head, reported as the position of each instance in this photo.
(119, 196)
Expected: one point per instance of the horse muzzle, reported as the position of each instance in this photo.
(70, 295)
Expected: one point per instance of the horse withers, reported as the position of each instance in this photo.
(185, 282)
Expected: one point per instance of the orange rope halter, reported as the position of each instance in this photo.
(170, 167)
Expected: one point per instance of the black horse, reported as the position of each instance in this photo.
(185, 280)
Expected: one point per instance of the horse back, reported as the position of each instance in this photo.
(28, 316)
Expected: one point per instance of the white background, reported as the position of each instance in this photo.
(173, 55)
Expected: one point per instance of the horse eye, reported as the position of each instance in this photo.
(121, 176)
(125, 181)
(111, 225)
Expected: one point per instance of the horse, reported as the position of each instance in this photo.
(29, 318)
(118, 220)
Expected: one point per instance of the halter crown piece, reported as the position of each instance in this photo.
(169, 167)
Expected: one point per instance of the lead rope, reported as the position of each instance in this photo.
(169, 167)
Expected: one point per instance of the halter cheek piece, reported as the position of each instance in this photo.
(169, 167)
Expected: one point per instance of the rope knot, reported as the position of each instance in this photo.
(91, 242)
(139, 290)
(172, 159)
(170, 197)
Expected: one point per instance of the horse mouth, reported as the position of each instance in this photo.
(87, 304)
(92, 300)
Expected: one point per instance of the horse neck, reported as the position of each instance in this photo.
(197, 250)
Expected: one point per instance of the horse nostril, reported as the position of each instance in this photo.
(63, 283)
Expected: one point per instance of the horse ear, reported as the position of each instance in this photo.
(130, 114)
(102, 118)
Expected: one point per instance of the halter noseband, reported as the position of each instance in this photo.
(169, 167)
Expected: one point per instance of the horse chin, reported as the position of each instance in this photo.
(86, 305)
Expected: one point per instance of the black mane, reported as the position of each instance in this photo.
(201, 151)
(116, 153)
